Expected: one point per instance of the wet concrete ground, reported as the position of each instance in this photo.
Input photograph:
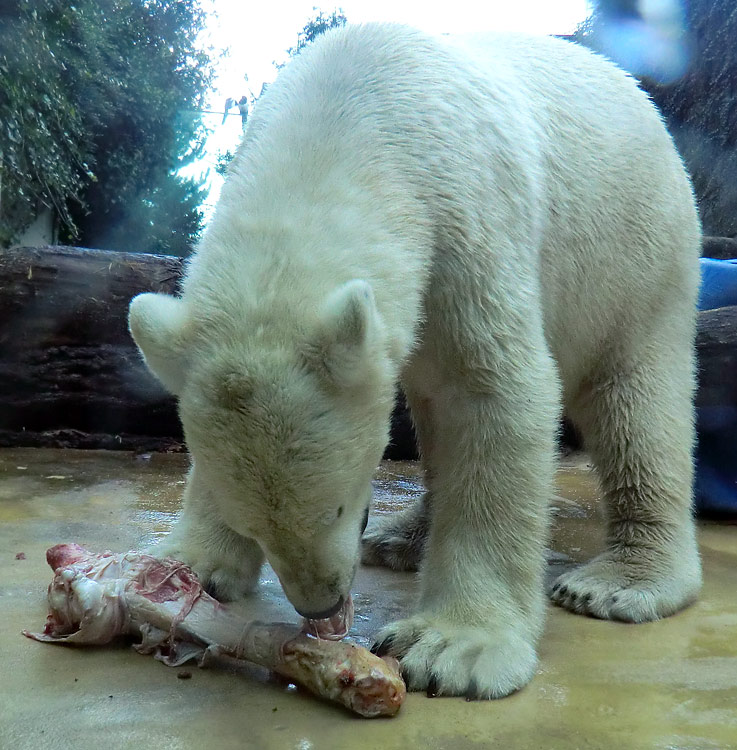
(669, 685)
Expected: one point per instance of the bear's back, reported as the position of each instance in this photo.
(381, 147)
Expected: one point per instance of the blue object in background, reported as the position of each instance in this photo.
(715, 489)
(718, 283)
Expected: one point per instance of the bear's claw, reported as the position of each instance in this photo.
(383, 647)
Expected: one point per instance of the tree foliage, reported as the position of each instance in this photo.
(700, 107)
(98, 109)
(316, 26)
(44, 153)
(222, 160)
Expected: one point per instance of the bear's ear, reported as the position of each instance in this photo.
(349, 332)
(157, 323)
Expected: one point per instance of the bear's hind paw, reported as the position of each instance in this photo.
(397, 541)
(612, 589)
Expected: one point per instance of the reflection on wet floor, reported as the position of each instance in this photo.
(670, 684)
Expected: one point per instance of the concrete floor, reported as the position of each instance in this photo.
(669, 685)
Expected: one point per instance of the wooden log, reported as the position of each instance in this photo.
(70, 374)
(719, 248)
(716, 346)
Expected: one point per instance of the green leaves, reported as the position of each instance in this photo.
(313, 28)
(90, 101)
(316, 26)
(41, 131)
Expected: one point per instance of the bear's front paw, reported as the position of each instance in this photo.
(226, 574)
(446, 659)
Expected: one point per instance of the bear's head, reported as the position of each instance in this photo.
(285, 427)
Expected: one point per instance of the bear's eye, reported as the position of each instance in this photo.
(340, 511)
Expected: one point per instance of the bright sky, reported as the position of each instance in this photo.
(256, 33)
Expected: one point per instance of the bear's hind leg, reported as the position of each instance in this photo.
(637, 423)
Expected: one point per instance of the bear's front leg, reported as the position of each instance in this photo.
(482, 603)
(227, 564)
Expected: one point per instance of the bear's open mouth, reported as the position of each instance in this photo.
(332, 628)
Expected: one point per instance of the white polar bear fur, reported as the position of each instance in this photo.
(503, 224)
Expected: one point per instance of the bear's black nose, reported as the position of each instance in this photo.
(325, 613)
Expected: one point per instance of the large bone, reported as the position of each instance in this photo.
(96, 598)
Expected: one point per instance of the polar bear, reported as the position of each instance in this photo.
(503, 225)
